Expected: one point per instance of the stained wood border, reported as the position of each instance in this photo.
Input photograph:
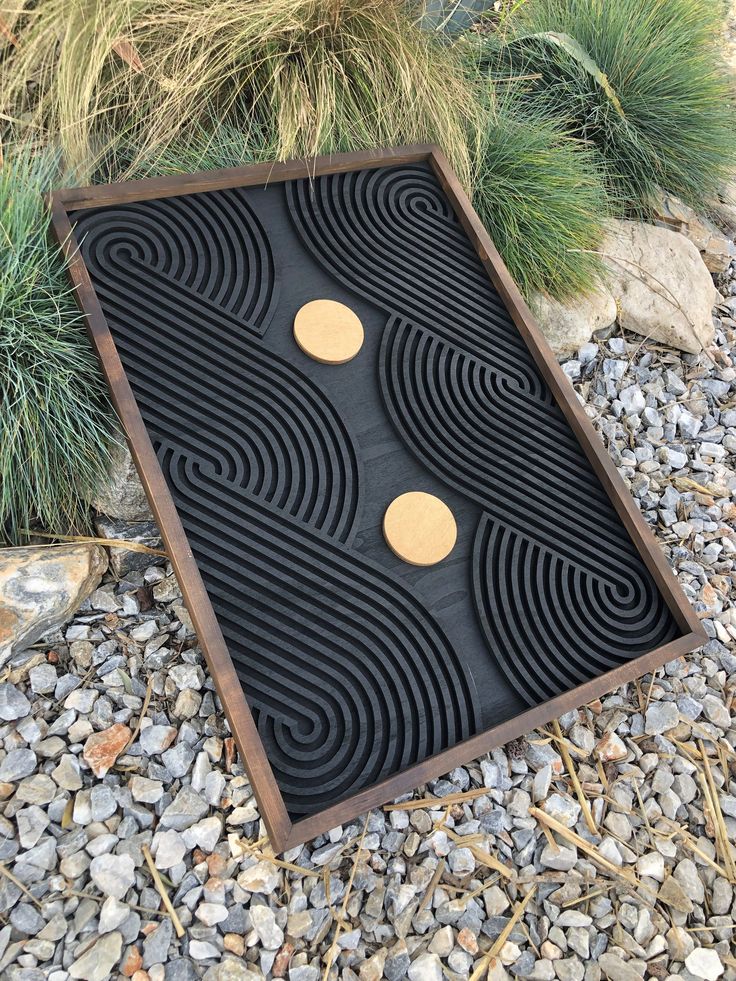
(284, 833)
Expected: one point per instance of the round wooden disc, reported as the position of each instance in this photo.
(419, 528)
(328, 331)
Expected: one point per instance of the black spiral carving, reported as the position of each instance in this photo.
(348, 677)
(198, 252)
(560, 591)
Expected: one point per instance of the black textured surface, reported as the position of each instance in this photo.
(355, 664)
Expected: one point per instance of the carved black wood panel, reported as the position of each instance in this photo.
(355, 664)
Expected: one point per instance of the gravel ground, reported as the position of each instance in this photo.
(466, 877)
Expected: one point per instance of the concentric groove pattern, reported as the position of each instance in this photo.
(348, 677)
(202, 251)
(560, 591)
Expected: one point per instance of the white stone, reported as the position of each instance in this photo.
(155, 739)
(211, 913)
(13, 703)
(113, 874)
(562, 808)
(461, 861)
(17, 764)
(202, 950)
(264, 923)
(560, 858)
(661, 717)
(113, 914)
(651, 865)
(426, 967)
(146, 791)
(204, 834)
(168, 849)
(263, 877)
(704, 962)
(442, 941)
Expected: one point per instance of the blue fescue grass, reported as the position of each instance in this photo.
(643, 80)
(54, 416)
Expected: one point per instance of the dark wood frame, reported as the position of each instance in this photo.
(282, 832)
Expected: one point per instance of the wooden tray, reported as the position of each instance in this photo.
(348, 674)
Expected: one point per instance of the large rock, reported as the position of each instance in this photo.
(41, 587)
(662, 287)
(122, 495)
(716, 250)
(569, 325)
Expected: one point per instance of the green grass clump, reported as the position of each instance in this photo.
(643, 80)
(54, 418)
(316, 75)
(542, 197)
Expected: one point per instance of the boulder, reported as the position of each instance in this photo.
(41, 587)
(570, 324)
(716, 250)
(662, 287)
(121, 495)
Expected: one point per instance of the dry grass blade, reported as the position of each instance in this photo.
(585, 846)
(7, 33)
(710, 793)
(26, 892)
(332, 952)
(582, 899)
(551, 737)
(691, 846)
(567, 760)
(280, 863)
(120, 543)
(480, 855)
(311, 77)
(503, 936)
(141, 717)
(434, 802)
(433, 883)
(161, 888)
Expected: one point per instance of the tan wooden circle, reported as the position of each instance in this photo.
(328, 331)
(419, 528)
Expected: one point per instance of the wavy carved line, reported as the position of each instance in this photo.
(209, 244)
(550, 624)
(280, 438)
(379, 684)
(452, 414)
(390, 236)
(555, 608)
(267, 494)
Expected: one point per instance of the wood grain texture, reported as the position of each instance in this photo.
(254, 311)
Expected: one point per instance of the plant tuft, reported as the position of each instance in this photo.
(54, 417)
(643, 80)
(541, 195)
